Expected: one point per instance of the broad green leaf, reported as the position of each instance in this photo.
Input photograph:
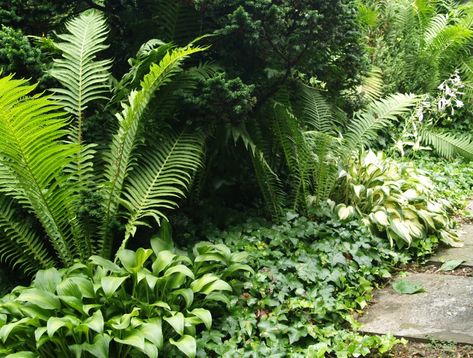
(43, 299)
(162, 305)
(186, 344)
(176, 322)
(134, 339)
(106, 264)
(204, 315)
(186, 293)
(23, 354)
(237, 267)
(219, 297)
(55, 323)
(153, 331)
(111, 284)
(198, 285)
(134, 261)
(73, 302)
(179, 269)
(407, 287)
(95, 322)
(123, 322)
(150, 350)
(100, 347)
(163, 241)
(163, 260)
(47, 280)
(86, 287)
(6, 329)
(450, 265)
(69, 288)
(218, 285)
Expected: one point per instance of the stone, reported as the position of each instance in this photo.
(458, 253)
(443, 312)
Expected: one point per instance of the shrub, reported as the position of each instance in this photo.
(152, 301)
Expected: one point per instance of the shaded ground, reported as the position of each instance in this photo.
(432, 350)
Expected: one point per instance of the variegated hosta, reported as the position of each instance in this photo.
(153, 301)
(395, 199)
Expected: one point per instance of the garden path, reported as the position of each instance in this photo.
(443, 311)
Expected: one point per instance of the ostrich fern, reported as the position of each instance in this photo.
(45, 165)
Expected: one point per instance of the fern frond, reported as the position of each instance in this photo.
(33, 151)
(162, 176)
(378, 115)
(436, 25)
(268, 181)
(20, 246)
(316, 112)
(82, 76)
(448, 145)
(372, 85)
(326, 155)
(120, 157)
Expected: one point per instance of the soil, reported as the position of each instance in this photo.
(432, 350)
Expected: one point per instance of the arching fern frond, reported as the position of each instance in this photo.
(372, 84)
(448, 145)
(82, 76)
(378, 115)
(33, 152)
(20, 246)
(316, 112)
(120, 157)
(163, 175)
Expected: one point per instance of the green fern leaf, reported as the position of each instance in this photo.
(448, 145)
(162, 176)
(120, 158)
(33, 152)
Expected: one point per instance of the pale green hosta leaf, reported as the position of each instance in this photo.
(450, 265)
(204, 315)
(111, 284)
(43, 299)
(407, 288)
(186, 344)
(153, 331)
(47, 280)
(176, 322)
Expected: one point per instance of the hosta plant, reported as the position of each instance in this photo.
(396, 200)
(150, 302)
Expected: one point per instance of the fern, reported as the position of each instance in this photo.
(120, 158)
(448, 145)
(163, 175)
(20, 245)
(317, 113)
(33, 152)
(378, 115)
(372, 86)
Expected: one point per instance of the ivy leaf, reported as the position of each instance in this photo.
(405, 287)
(450, 265)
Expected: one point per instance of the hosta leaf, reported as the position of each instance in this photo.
(450, 265)
(176, 322)
(6, 329)
(22, 354)
(186, 293)
(218, 285)
(186, 344)
(100, 347)
(153, 331)
(179, 269)
(47, 280)
(133, 339)
(199, 284)
(95, 322)
(204, 316)
(134, 261)
(150, 350)
(43, 299)
(111, 284)
(163, 260)
(219, 297)
(407, 288)
(106, 264)
(55, 323)
(86, 287)
(237, 267)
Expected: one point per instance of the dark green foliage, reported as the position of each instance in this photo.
(311, 276)
(18, 56)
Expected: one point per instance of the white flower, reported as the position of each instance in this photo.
(459, 103)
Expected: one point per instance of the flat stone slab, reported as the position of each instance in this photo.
(458, 253)
(443, 312)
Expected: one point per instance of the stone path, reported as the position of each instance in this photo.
(458, 253)
(443, 312)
